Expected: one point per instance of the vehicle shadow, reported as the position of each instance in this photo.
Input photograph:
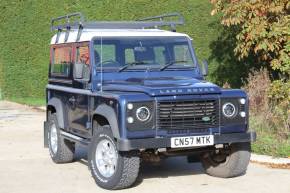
(173, 166)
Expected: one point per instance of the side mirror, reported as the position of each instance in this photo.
(79, 67)
(204, 68)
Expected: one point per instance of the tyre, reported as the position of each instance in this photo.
(110, 168)
(60, 149)
(229, 162)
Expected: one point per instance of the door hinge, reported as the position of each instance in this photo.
(88, 125)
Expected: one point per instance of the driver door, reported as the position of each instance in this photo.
(78, 115)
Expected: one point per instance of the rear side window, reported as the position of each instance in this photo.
(61, 62)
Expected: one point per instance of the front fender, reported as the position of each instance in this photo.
(109, 113)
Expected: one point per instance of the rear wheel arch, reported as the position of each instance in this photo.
(54, 105)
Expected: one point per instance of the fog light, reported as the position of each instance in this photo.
(243, 114)
(130, 119)
(243, 101)
(130, 106)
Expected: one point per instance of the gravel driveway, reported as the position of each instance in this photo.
(25, 166)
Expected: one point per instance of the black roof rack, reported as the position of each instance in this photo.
(77, 21)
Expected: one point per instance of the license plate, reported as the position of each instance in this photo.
(192, 141)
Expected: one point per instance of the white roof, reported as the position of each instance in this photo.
(88, 34)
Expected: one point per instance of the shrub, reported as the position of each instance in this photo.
(263, 29)
(257, 87)
(269, 104)
(279, 95)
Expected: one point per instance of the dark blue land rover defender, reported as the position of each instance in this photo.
(133, 92)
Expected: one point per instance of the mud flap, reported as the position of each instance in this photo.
(45, 134)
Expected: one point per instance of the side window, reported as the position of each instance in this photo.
(182, 53)
(61, 61)
(109, 54)
(82, 64)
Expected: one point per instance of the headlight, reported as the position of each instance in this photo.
(143, 113)
(229, 110)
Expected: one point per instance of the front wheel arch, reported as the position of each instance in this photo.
(105, 115)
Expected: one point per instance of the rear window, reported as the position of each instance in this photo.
(61, 62)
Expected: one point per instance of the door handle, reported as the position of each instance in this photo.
(72, 99)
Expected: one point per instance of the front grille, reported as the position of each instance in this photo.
(188, 115)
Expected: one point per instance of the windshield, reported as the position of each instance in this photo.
(142, 53)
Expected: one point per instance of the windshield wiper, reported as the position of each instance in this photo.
(131, 64)
(171, 63)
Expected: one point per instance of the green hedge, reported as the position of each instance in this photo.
(25, 33)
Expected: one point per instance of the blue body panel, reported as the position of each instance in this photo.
(142, 97)
(116, 89)
(154, 85)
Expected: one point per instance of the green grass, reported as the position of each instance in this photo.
(269, 140)
(1, 97)
(25, 33)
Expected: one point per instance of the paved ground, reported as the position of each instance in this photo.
(25, 166)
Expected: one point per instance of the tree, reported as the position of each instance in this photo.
(263, 32)
(264, 29)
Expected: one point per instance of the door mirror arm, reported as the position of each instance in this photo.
(204, 68)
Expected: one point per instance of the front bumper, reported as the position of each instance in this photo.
(164, 142)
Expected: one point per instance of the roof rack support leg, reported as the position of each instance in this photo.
(79, 33)
(67, 33)
(57, 36)
(173, 28)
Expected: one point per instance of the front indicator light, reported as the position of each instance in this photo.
(243, 114)
(243, 101)
(130, 120)
(130, 106)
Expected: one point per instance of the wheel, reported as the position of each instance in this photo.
(60, 149)
(229, 162)
(110, 168)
